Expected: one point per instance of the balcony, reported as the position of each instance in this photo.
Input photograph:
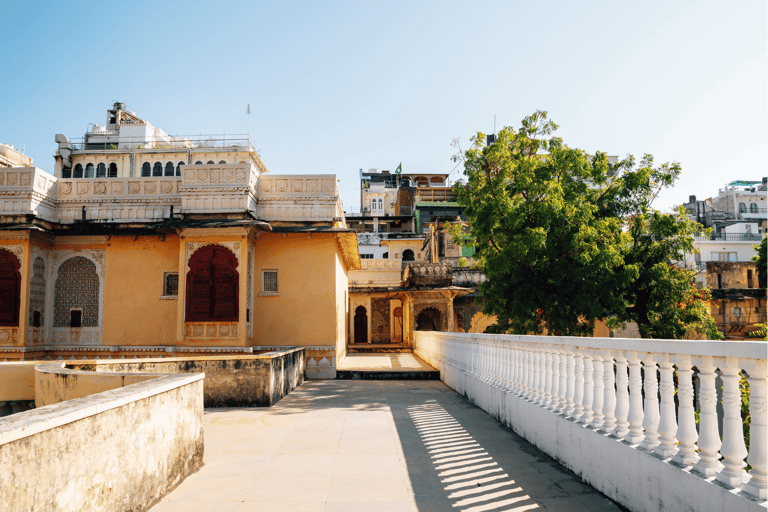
(732, 237)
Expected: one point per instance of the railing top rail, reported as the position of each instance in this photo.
(737, 349)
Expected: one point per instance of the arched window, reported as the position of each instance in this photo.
(742, 208)
(78, 172)
(10, 288)
(112, 173)
(76, 294)
(198, 163)
(169, 170)
(429, 320)
(753, 208)
(223, 162)
(37, 293)
(178, 168)
(361, 325)
(157, 169)
(210, 162)
(436, 181)
(146, 170)
(101, 171)
(66, 173)
(407, 255)
(88, 171)
(212, 285)
(421, 181)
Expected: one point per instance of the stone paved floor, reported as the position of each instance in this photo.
(396, 362)
(373, 446)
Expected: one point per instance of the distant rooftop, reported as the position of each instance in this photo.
(743, 183)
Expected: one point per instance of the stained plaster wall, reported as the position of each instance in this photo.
(119, 450)
(342, 315)
(305, 311)
(134, 270)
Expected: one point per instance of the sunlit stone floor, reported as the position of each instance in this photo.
(373, 446)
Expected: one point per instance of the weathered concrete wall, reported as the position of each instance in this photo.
(230, 381)
(17, 381)
(119, 450)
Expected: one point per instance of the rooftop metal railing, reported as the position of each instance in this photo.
(115, 141)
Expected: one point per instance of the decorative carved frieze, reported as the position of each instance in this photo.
(211, 330)
(191, 247)
(16, 250)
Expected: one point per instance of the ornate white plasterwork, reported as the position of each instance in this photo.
(16, 250)
(191, 247)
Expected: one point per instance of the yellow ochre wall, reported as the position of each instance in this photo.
(305, 312)
(342, 306)
(133, 281)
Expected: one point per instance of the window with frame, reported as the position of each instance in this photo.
(157, 169)
(169, 169)
(89, 171)
(724, 256)
(112, 173)
(101, 170)
(170, 284)
(366, 256)
(269, 282)
(146, 170)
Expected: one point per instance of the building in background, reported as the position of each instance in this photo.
(10, 157)
(738, 219)
(145, 244)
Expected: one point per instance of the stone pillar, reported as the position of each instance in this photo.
(450, 322)
(409, 323)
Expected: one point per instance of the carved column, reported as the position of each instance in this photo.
(622, 397)
(635, 416)
(651, 410)
(733, 449)
(709, 435)
(686, 431)
(597, 390)
(667, 422)
(758, 433)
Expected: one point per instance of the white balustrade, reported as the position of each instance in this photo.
(622, 397)
(640, 403)
(667, 423)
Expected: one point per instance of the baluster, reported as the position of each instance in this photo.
(543, 376)
(609, 394)
(570, 381)
(561, 389)
(535, 394)
(547, 398)
(506, 373)
(578, 387)
(525, 373)
(758, 447)
(529, 372)
(635, 416)
(516, 368)
(597, 389)
(586, 400)
(667, 423)
(709, 435)
(553, 400)
(733, 449)
(622, 397)
(651, 412)
(686, 430)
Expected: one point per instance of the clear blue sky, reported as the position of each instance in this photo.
(335, 87)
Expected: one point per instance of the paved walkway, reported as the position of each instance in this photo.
(395, 362)
(373, 446)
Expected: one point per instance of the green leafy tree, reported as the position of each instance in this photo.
(565, 238)
(760, 259)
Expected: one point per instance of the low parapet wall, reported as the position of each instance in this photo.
(230, 381)
(117, 450)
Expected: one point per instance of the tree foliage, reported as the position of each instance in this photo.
(565, 238)
(760, 259)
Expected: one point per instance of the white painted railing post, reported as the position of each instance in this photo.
(578, 385)
(597, 390)
(561, 388)
(622, 397)
(667, 423)
(758, 433)
(553, 399)
(547, 400)
(570, 382)
(586, 400)
(686, 430)
(635, 416)
(536, 395)
(528, 366)
(609, 394)
(709, 435)
(651, 412)
(733, 449)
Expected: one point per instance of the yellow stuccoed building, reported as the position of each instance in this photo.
(148, 245)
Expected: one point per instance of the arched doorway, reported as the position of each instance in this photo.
(10, 289)
(407, 255)
(361, 325)
(428, 320)
(212, 285)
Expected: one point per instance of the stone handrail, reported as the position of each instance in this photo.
(609, 386)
